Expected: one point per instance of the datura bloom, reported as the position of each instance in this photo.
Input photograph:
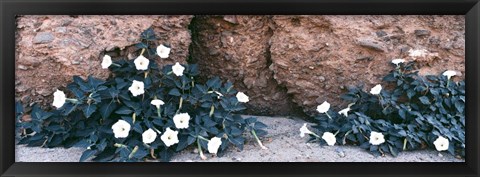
(157, 103)
(149, 136)
(137, 88)
(304, 130)
(59, 99)
(324, 107)
(121, 129)
(329, 138)
(178, 69)
(398, 61)
(344, 111)
(376, 90)
(241, 97)
(163, 51)
(181, 120)
(441, 143)
(376, 138)
(106, 62)
(449, 73)
(170, 137)
(214, 144)
(141, 63)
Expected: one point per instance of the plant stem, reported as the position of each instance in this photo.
(135, 149)
(405, 144)
(212, 110)
(200, 149)
(158, 112)
(328, 115)
(258, 140)
(180, 104)
(143, 50)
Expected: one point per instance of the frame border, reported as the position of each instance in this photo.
(10, 9)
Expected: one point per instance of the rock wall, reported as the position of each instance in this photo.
(281, 62)
(52, 49)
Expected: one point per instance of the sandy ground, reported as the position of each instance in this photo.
(283, 141)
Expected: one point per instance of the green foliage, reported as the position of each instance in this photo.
(411, 116)
(86, 121)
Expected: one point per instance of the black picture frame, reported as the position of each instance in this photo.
(10, 8)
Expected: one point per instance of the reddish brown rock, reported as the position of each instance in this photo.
(317, 57)
(236, 48)
(51, 49)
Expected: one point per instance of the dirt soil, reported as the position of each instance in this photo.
(283, 141)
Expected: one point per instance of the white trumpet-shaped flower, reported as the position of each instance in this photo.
(157, 103)
(178, 69)
(214, 144)
(137, 88)
(149, 136)
(106, 62)
(181, 120)
(59, 99)
(241, 97)
(449, 73)
(376, 138)
(141, 63)
(163, 51)
(304, 130)
(398, 61)
(441, 143)
(329, 138)
(376, 90)
(344, 111)
(170, 137)
(324, 107)
(121, 129)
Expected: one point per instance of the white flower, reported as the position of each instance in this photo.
(304, 130)
(163, 51)
(141, 63)
(219, 95)
(376, 90)
(121, 129)
(59, 99)
(344, 111)
(214, 144)
(178, 69)
(137, 88)
(329, 138)
(241, 97)
(441, 143)
(106, 62)
(181, 120)
(324, 107)
(449, 73)
(417, 53)
(170, 137)
(376, 138)
(149, 136)
(157, 103)
(398, 61)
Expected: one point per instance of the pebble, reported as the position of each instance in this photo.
(381, 33)
(422, 32)
(236, 159)
(321, 78)
(75, 62)
(340, 152)
(440, 155)
(43, 37)
(371, 44)
(22, 67)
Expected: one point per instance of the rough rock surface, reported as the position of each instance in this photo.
(236, 48)
(317, 57)
(281, 62)
(51, 49)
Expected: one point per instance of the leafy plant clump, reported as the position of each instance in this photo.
(142, 112)
(419, 112)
